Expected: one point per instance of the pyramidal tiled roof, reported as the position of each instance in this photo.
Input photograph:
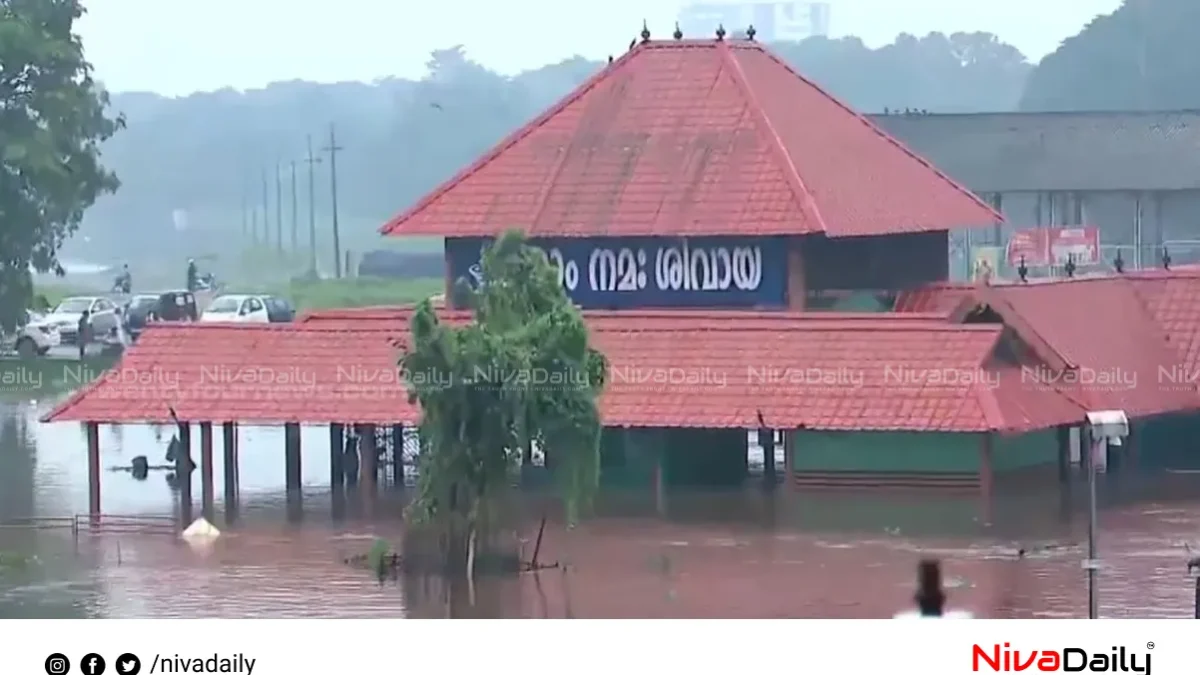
(692, 138)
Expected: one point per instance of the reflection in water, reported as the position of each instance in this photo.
(736, 554)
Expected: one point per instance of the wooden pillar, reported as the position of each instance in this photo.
(207, 494)
(93, 443)
(337, 475)
(660, 472)
(986, 477)
(229, 431)
(1063, 436)
(766, 440)
(397, 456)
(790, 439)
(291, 441)
(369, 461)
(183, 472)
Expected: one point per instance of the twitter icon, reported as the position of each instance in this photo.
(128, 664)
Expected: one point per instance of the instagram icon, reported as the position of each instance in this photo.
(57, 664)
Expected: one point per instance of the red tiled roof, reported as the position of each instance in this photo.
(1173, 299)
(1118, 331)
(692, 138)
(269, 374)
(714, 369)
(938, 298)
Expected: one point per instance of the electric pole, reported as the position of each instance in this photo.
(266, 211)
(295, 216)
(312, 161)
(254, 225)
(278, 210)
(333, 148)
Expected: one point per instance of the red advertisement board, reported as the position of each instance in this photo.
(1044, 246)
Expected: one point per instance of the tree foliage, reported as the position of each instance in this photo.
(521, 372)
(1143, 56)
(403, 137)
(52, 120)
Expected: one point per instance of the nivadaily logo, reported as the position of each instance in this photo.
(1004, 659)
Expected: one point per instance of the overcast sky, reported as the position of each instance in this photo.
(181, 46)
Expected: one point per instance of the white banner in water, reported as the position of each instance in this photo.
(288, 647)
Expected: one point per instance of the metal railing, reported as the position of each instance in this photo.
(99, 524)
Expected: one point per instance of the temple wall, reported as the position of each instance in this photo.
(916, 453)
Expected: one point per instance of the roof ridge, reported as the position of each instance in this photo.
(800, 191)
(865, 121)
(512, 139)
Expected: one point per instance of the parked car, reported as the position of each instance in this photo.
(145, 308)
(249, 309)
(104, 316)
(36, 337)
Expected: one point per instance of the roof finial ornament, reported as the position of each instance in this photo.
(1023, 271)
(1119, 263)
(1166, 259)
(1070, 268)
(645, 31)
(678, 35)
(750, 33)
(720, 32)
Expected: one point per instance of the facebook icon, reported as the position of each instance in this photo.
(92, 664)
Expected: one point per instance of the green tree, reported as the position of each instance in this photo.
(482, 403)
(52, 120)
(1143, 56)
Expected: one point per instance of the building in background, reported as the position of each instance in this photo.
(772, 20)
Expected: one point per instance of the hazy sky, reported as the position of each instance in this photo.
(182, 46)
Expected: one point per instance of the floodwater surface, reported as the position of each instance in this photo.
(737, 554)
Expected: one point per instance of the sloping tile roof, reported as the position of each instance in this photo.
(1006, 152)
(269, 374)
(701, 369)
(692, 138)
(1118, 333)
(938, 298)
(1173, 299)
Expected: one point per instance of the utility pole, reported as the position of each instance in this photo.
(313, 161)
(333, 148)
(254, 225)
(266, 211)
(278, 210)
(294, 214)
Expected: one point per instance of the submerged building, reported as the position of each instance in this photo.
(750, 254)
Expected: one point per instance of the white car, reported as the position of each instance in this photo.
(36, 337)
(237, 309)
(103, 315)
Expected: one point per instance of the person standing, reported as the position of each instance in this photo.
(84, 331)
(193, 276)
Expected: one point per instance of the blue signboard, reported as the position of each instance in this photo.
(622, 273)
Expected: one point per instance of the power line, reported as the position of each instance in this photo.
(333, 149)
(312, 162)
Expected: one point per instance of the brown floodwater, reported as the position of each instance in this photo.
(739, 554)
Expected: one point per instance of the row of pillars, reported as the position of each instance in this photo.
(344, 463)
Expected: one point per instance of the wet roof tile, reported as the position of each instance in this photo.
(690, 138)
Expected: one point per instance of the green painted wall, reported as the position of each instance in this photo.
(906, 452)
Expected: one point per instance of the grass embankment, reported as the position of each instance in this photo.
(357, 292)
(312, 294)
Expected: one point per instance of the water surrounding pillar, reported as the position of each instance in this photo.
(790, 439)
(660, 480)
(207, 490)
(229, 431)
(397, 456)
(295, 495)
(1063, 436)
(93, 443)
(986, 477)
(337, 477)
(368, 460)
(183, 472)
(766, 440)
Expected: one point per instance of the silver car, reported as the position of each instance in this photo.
(103, 315)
